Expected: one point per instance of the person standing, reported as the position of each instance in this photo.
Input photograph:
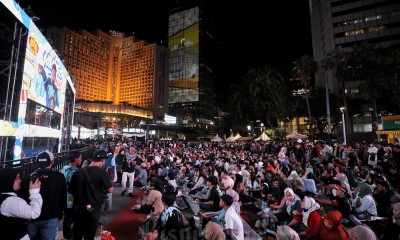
(54, 191)
(233, 223)
(89, 187)
(68, 170)
(15, 211)
(128, 172)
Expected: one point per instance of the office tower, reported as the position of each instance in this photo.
(344, 24)
(347, 23)
(115, 69)
(191, 80)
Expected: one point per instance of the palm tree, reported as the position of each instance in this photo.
(303, 68)
(262, 93)
(340, 62)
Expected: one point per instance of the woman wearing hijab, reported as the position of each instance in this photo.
(14, 211)
(213, 231)
(392, 230)
(285, 213)
(310, 216)
(361, 232)
(235, 197)
(155, 197)
(296, 182)
(330, 228)
(363, 204)
(286, 233)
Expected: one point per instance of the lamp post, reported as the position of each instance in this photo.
(342, 109)
(248, 129)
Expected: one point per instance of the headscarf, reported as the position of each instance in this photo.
(294, 199)
(285, 232)
(213, 231)
(364, 232)
(344, 181)
(365, 190)
(282, 154)
(7, 179)
(310, 205)
(335, 217)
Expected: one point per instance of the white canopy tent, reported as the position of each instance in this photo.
(237, 137)
(216, 139)
(295, 135)
(231, 138)
(263, 137)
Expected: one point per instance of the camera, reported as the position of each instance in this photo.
(34, 176)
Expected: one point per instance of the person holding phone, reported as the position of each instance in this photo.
(15, 212)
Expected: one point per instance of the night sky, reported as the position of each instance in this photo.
(247, 34)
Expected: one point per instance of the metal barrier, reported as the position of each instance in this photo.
(26, 165)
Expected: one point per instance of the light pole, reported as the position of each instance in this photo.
(342, 109)
(248, 129)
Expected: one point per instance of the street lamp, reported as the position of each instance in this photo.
(342, 109)
(249, 129)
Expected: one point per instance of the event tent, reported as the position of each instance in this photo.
(216, 139)
(231, 138)
(237, 137)
(295, 135)
(263, 137)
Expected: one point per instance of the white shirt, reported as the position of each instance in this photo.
(234, 222)
(228, 182)
(17, 207)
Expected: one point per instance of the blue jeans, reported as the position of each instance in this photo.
(43, 229)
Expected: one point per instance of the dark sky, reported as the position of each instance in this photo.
(249, 34)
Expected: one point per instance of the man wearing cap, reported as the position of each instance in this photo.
(141, 179)
(54, 193)
(89, 187)
(339, 200)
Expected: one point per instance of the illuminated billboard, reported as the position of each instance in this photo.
(42, 100)
(183, 43)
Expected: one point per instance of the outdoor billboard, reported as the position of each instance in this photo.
(183, 43)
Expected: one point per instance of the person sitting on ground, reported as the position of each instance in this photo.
(363, 204)
(285, 213)
(141, 179)
(285, 232)
(201, 181)
(392, 229)
(170, 222)
(155, 198)
(330, 228)
(213, 231)
(309, 216)
(361, 232)
(233, 224)
(212, 202)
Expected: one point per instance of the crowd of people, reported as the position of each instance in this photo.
(300, 189)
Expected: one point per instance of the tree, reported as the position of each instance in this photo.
(303, 68)
(263, 92)
(340, 62)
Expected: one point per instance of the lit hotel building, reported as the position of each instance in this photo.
(114, 73)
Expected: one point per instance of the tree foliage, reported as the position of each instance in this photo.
(262, 94)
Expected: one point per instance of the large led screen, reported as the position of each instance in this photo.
(42, 100)
(183, 42)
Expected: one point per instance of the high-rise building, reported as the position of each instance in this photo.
(191, 80)
(346, 23)
(116, 69)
